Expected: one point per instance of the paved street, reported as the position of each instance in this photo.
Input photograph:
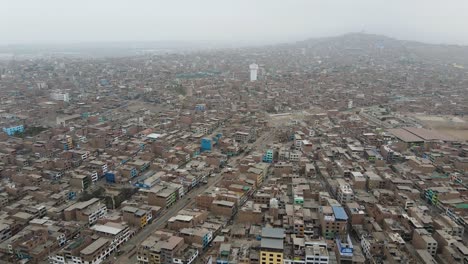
(186, 201)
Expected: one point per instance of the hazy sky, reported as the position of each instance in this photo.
(259, 21)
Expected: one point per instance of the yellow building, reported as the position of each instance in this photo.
(255, 175)
(272, 246)
(143, 221)
(154, 258)
(271, 257)
(137, 216)
(258, 172)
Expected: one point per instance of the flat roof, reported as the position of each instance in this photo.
(185, 218)
(107, 229)
(270, 232)
(255, 170)
(272, 243)
(225, 203)
(339, 213)
(129, 209)
(172, 242)
(82, 205)
(165, 192)
(225, 247)
(91, 248)
(462, 248)
(154, 135)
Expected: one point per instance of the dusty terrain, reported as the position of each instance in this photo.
(455, 126)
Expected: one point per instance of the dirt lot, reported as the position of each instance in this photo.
(452, 125)
(135, 106)
(461, 134)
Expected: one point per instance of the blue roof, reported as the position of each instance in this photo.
(340, 213)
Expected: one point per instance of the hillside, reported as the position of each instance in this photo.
(374, 44)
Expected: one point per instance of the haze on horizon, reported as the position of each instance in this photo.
(228, 21)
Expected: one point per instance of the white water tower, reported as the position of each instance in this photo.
(253, 72)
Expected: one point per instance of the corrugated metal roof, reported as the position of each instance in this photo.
(405, 135)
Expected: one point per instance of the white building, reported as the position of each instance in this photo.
(345, 193)
(298, 141)
(111, 236)
(94, 176)
(285, 154)
(294, 156)
(253, 72)
(59, 96)
(99, 212)
(42, 85)
(5, 231)
(189, 257)
(316, 252)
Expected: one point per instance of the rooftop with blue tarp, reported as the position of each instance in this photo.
(339, 213)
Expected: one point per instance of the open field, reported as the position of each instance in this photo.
(461, 134)
(436, 121)
(455, 126)
(282, 119)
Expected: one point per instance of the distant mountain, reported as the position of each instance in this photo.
(360, 43)
(371, 42)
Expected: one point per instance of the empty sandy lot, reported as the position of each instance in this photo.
(455, 126)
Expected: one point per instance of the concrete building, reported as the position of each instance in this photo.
(272, 246)
(60, 96)
(316, 253)
(89, 211)
(334, 221)
(159, 248)
(93, 249)
(253, 72)
(423, 240)
(163, 198)
(199, 236)
(137, 216)
(345, 193)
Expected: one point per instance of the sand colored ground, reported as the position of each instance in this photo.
(455, 126)
(461, 134)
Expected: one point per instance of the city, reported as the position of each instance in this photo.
(346, 149)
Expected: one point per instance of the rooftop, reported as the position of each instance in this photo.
(112, 230)
(91, 248)
(340, 213)
(272, 243)
(269, 232)
(404, 135)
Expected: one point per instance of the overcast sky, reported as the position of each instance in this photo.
(258, 21)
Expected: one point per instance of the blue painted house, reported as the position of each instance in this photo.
(206, 145)
(268, 156)
(110, 176)
(14, 129)
(200, 107)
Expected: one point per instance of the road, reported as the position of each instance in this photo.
(186, 201)
(131, 246)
